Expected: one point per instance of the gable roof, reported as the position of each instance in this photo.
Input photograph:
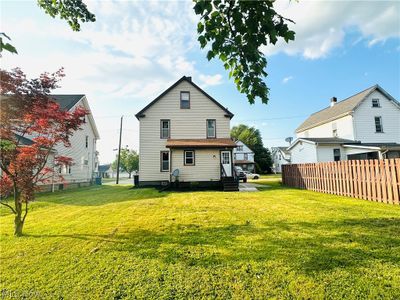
(67, 101)
(341, 108)
(189, 80)
(104, 168)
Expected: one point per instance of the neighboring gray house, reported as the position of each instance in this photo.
(280, 156)
(186, 131)
(83, 144)
(106, 171)
(244, 157)
(363, 126)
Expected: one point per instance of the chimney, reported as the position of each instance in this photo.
(333, 101)
(189, 78)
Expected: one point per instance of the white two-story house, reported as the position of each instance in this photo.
(363, 126)
(280, 156)
(83, 145)
(185, 138)
(243, 157)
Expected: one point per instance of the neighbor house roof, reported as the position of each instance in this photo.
(104, 168)
(200, 143)
(330, 140)
(284, 149)
(341, 108)
(189, 80)
(67, 101)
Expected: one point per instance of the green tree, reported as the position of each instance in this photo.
(252, 138)
(129, 161)
(235, 31)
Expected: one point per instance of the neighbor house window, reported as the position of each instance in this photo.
(239, 148)
(336, 154)
(211, 129)
(164, 161)
(378, 124)
(87, 141)
(164, 129)
(375, 103)
(189, 157)
(185, 100)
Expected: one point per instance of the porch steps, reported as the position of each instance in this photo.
(229, 184)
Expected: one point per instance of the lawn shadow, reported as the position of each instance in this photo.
(309, 247)
(100, 195)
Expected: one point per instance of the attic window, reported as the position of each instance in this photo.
(185, 100)
(375, 103)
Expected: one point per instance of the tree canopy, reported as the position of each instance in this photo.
(251, 137)
(234, 31)
(129, 161)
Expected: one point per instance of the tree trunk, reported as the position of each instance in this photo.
(130, 175)
(18, 220)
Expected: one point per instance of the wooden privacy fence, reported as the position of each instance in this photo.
(375, 180)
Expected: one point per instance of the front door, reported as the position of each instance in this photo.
(226, 161)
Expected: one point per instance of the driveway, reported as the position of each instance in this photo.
(250, 187)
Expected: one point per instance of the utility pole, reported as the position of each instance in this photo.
(119, 149)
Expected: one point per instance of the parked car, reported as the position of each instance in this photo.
(250, 175)
(240, 174)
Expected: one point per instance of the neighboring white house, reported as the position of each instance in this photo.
(243, 157)
(186, 131)
(83, 144)
(363, 126)
(280, 156)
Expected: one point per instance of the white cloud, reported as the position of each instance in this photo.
(210, 80)
(287, 79)
(321, 26)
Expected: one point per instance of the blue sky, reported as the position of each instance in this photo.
(136, 49)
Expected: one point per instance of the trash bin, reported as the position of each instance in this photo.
(136, 180)
(98, 180)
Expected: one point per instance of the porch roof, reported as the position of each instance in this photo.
(201, 143)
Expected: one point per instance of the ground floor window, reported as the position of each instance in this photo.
(336, 154)
(188, 158)
(164, 161)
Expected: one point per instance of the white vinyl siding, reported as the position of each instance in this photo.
(206, 168)
(83, 158)
(185, 124)
(343, 129)
(364, 120)
(304, 152)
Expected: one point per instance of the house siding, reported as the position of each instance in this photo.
(184, 123)
(303, 153)
(206, 168)
(344, 126)
(365, 124)
(78, 152)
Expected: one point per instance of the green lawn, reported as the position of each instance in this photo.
(111, 242)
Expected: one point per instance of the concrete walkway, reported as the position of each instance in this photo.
(250, 187)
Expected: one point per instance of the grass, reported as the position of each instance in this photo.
(112, 242)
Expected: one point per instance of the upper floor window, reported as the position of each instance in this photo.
(185, 100)
(378, 124)
(239, 148)
(375, 103)
(165, 129)
(87, 141)
(189, 158)
(334, 133)
(280, 156)
(164, 161)
(245, 156)
(336, 154)
(211, 129)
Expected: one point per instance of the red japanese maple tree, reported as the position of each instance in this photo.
(31, 124)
